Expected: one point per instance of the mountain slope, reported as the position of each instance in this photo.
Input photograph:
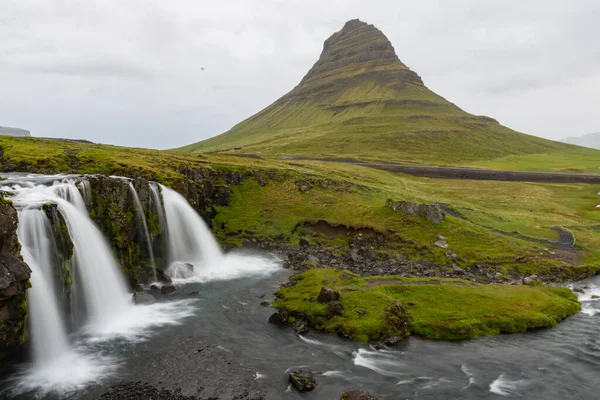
(6, 131)
(360, 101)
(591, 140)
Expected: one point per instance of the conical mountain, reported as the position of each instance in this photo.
(360, 101)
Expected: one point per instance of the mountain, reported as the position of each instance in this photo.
(13, 131)
(591, 140)
(360, 101)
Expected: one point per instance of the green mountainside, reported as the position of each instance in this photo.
(360, 101)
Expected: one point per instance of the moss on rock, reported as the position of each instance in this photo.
(388, 309)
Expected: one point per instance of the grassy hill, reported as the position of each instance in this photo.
(360, 101)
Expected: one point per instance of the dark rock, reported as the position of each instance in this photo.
(327, 295)
(302, 381)
(334, 308)
(143, 298)
(262, 179)
(279, 318)
(358, 395)
(167, 289)
(14, 281)
(304, 242)
(371, 254)
(162, 277)
(300, 327)
(155, 288)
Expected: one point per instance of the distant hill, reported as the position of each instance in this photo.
(13, 131)
(591, 140)
(360, 101)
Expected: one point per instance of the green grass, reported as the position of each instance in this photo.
(439, 308)
(355, 196)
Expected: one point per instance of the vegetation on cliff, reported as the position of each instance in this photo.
(432, 308)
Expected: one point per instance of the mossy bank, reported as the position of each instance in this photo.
(389, 309)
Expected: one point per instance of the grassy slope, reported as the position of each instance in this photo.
(398, 133)
(271, 213)
(440, 308)
(355, 196)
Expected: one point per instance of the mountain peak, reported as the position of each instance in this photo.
(359, 51)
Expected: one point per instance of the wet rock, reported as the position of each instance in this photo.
(143, 298)
(14, 280)
(302, 381)
(139, 390)
(167, 289)
(300, 327)
(162, 277)
(334, 308)
(155, 288)
(327, 295)
(279, 318)
(576, 290)
(358, 395)
(304, 242)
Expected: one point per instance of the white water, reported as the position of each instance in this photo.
(141, 216)
(86, 193)
(506, 387)
(49, 337)
(65, 363)
(189, 239)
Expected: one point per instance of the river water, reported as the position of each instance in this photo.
(226, 316)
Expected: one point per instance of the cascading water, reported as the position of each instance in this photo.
(141, 216)
(61, 364)
(84, 188)
(189, 239)
(49, 337)
(102, 285)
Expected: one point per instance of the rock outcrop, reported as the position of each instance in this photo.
(431, 212)
(14, 281)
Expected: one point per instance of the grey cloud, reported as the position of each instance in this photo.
(127, 72)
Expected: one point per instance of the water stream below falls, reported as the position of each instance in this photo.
(211, 338)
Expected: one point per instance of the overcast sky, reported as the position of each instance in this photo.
(163, 74)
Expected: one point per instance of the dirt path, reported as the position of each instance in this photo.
(429, 171)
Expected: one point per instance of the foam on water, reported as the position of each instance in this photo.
(232, 266)
(382, 363)
(505, 387)
(73, 370)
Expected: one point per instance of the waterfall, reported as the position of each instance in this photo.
(48, 334)
(189, 239)
(98, 277)
(142, 219)
(86, 193)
